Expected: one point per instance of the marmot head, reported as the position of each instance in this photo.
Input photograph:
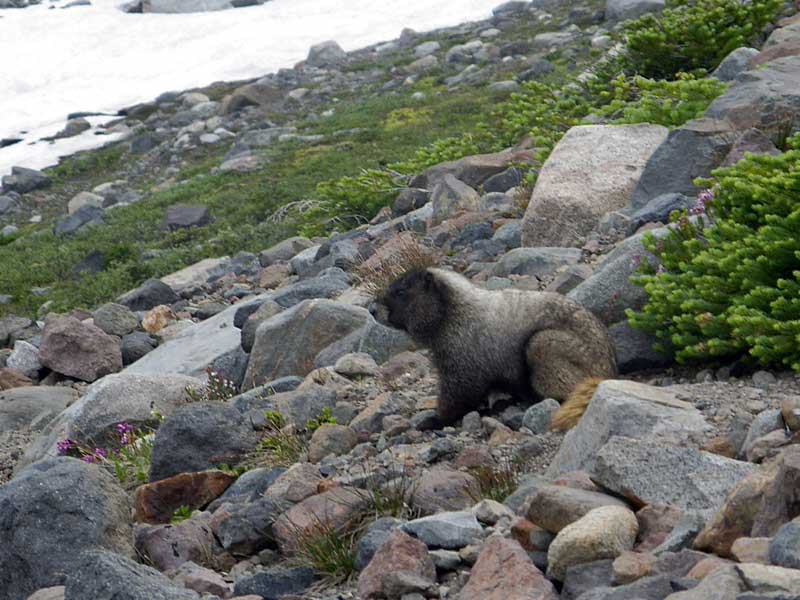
(416, 302)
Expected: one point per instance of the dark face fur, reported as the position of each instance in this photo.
(416, 304)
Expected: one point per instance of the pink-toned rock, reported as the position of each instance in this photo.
(656, 521)
(751, 550)
(300, 481)
(554, 507)
(156, 502)
(779, 503)
(51, 593)
(169, 546)
(399, 553)
(10, 379)
(706, 566)
(790, 411)
(78, 350)
(274, 275)
(202, 580)
(441, 489)
(630, 566)
(335, 509)
(578, 480)
(474, 457)
(505, 572)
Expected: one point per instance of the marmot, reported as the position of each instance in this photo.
(533, 345)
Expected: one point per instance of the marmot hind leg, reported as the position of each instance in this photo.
(560, 360)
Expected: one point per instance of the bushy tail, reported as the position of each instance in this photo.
(575, 405)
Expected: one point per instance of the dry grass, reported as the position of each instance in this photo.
(400, 255)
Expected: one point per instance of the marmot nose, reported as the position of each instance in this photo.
(373, 309)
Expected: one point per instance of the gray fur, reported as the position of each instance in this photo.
(531, 344)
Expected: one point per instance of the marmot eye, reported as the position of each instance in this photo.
(401, 293)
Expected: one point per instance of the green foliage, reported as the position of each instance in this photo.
(329, 550)
(695, 34)
(181, 514)
(324, 418)
(498, 482)
(668, 103)
(88, 163)
(407, 117)
(732, 288)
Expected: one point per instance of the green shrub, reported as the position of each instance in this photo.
(732, 289)
(668, 103)
(694, 34)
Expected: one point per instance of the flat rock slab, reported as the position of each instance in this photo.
(32, 407)
(448, 530)
(196, 348)
(649, 473)
(630, 409)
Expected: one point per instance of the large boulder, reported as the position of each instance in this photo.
(210, 343)
(200, 436)
(553, 507)
(591, 171)
(49, 514)
(450, 196)
(79, 350)
(652, 473)
(101, 575)
(689, 152)
(112, 400)
(150, 294)
(24, 180)
(305, 330)
(31, 408)
(326, 54)
(631, 409)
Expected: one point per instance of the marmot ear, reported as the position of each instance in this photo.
(429, 280)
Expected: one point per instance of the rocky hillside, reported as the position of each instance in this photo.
(197, 399)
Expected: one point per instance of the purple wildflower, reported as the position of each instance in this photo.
(123, 428)
(126, 439)
(64, 446)
(88, 458)
(100, 453)
(660, 270)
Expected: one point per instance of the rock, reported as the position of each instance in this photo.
(31, 408)
(765, 422)
(277, 582)
(537, 417)
(13, 328)
(538, 262)
(250, 486)
(767, 446)
(609, 291)
(553, 507)
(441, 489)
(266, 311)
(448, 530)
(784, 549)
(591, 171)
(658, 210)
(450, 197)
(355, 365)
(102, 575)
(136, 345)
(84, 199)
(631, 409)
(634, 349)
(331, 440)
(326, 54)
(245, 529)
(114, 319)
(200, 436)
(374, 537)
(736, 517)
(253, 94)
(40, 546)
(184, 6)
(8, 204)
(400, 553)
(284, 251)
(167, 547)
(150, 294)
(24, 180)
(114, 399)
(505, 572)
(334, 508)
(309, 327)
(408, 200)
(423, 64)
(604, 532)
(51, 593)
(554, 40)
(85, 216)
(733, 65)
(656, 522)
(160, 318)
(585, 577)
(684, 533)
(157, 502)
(622, 10)
(752, 141)
(376, 340)
(752, 550)
(631, 566)
(690, 151)
(185, 217)
(645, 472)
(780, 502)
(318, 287)
(370, 420)
(763, 98)
(213, 343)
(763, 579)
(201, 580)
(25, 359)
(790, 411)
